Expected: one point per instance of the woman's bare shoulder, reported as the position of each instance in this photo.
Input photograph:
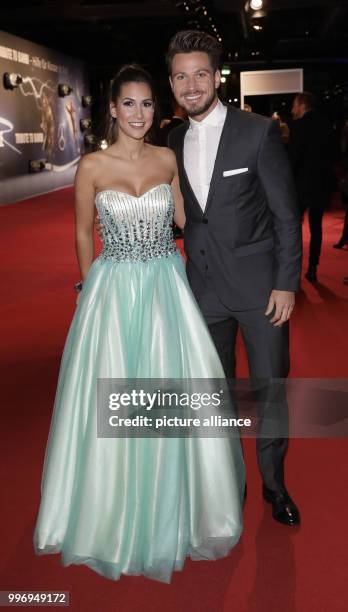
(91, 160)
(165, 154)
(91, 164)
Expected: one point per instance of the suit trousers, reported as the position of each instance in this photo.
(267, 350)
(316, 205)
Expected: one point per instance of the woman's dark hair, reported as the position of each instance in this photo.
(131, 73)
(188, 41)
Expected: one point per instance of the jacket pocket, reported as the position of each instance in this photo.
(255, 247)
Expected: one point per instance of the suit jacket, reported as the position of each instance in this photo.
(248, 240)
(165, 131)
(311, 150)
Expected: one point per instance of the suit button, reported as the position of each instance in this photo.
(203, 251)
(204, 220)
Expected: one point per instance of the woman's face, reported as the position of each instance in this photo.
(134, 109)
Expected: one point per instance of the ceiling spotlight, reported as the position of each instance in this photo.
(235, 99)
(64, 90)
(223, 79)
(256, 5)
(12, 80)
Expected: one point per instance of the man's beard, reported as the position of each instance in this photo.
(199, 110)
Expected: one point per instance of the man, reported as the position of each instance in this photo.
(179, 116)
(310, 153)
(242, 234)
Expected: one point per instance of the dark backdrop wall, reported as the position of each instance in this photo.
(35, 122)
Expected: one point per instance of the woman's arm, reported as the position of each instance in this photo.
(84, 214)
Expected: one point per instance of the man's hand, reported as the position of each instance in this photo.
(283, 302)
(99, 227)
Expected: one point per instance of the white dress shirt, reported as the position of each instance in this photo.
(200, 149)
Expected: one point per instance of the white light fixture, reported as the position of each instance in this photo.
(12, 80)
(64, 90)
(223, 79)
(257, 27)
(85, 124)
(87, 100)
(256, 5)
(37, 165)
(225, 70)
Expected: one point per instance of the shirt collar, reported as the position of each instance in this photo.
(215, 118)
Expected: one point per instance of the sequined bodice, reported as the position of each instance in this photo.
(137, 228)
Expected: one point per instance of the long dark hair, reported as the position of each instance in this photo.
(131, 73)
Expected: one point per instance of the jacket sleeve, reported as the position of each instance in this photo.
(276, 177)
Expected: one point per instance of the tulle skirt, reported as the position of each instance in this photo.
(136, 505)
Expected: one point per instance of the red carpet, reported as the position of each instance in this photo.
(274, 568)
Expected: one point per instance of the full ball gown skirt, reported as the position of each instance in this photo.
(136, 505)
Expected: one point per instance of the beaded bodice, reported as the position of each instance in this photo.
(136, 228)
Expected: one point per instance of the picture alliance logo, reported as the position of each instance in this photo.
(164, 399)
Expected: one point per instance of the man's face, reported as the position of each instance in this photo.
(298, 110)
(194, 83)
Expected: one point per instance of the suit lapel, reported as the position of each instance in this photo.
(228, 133)
(189, 190)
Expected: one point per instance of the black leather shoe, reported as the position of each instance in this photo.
(284, 509)
(311, 274)
(340, 244)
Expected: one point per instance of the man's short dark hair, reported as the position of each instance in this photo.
(188, 41)
(308, 99)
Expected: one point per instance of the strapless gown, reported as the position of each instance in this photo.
(136, 505)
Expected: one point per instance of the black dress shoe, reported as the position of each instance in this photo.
(284, 509)
(311, 274)
(340, 244)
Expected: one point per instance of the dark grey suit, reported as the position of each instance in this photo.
(246, 243)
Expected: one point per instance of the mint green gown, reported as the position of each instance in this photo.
(136, 505)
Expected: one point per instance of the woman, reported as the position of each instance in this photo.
(134, 505)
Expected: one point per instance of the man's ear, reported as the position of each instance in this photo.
(217, 77)
(171, 83)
